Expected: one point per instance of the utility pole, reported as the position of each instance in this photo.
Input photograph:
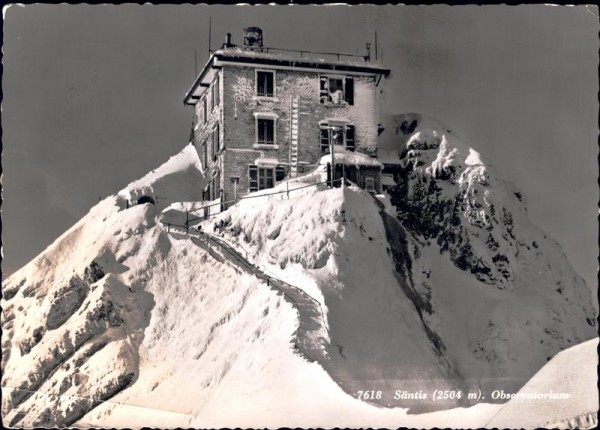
(331, 145)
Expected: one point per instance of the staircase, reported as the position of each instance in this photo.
(294, 134)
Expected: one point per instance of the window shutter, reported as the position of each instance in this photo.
(253, 177)
(260, 123)
(324, 89)
(324, 138)
(270, 124)
(279, 173)
(216, 143)
(349, 94)
(350, 138)
(270, 84)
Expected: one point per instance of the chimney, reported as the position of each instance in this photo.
(227, 43)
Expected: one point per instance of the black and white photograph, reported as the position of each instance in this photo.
(304, 216)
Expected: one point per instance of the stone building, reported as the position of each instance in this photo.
(261, 116)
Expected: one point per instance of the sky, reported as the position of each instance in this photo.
(93, 98)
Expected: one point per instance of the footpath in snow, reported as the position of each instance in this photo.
(311, 336)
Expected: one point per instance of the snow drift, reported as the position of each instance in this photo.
(563, 394)
(441, 284)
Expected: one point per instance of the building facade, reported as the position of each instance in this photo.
(261, 117)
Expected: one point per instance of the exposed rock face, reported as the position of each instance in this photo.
(451, 202)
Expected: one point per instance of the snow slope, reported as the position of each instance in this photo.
(121, 322)
(572, 372)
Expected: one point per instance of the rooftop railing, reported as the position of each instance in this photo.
(303, 53)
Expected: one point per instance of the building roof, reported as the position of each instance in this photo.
(342, 156)
(307, 61)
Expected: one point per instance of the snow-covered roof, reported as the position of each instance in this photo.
(388, 156)
(342, 156)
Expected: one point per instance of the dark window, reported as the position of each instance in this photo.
(336, 90)
(349, 91)
(216, 142)
(265, 84)
(205, 155)
(253, 177)
(324, 139)
(204, 110)
(261, 178)
(324, 91)
(265, 131)
(217, 96)
(350, 138)
(216, 186)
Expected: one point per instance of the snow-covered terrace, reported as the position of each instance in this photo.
(356, 159)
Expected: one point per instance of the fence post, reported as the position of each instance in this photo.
(187, 222)
(287, 186)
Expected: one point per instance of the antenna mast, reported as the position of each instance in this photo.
(209, 32)
(375, 45)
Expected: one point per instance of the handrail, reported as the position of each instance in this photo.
(259, 195)
(240, 258)
(304, 51)
(251, 268)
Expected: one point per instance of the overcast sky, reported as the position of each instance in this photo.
(93, 98)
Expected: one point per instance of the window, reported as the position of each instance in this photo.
(337, 90)
(265, 131)
(216, 186)
(204, 110)
(261, 178)
(216, 93)
(337, 135)
(265, 83)
(205, 155)
(350, 138)
(370, 185)
(216, 141)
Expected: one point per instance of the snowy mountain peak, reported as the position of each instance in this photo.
(329, 293)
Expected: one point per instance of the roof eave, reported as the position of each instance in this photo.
(302, 63)
(198, 82)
